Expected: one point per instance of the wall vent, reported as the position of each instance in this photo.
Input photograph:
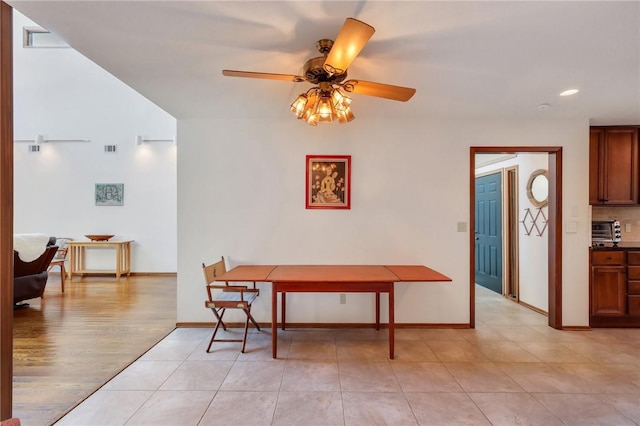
(34, 148)
(110, 149)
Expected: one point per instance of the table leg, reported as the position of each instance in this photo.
(377, 310)
(274, 320)
(391, 323)
(118, 260)
(72, 258)
(128, 258)
(81, 261)
(283, 308)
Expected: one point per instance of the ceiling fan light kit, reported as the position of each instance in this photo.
(327, 102)
(323, 104)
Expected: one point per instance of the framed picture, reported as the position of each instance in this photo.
(109, 194)
(328, 182)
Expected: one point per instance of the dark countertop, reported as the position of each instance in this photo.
(624, 245)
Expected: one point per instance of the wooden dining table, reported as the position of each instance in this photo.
(331, 278)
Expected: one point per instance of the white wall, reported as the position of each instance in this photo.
(241, 194)
(240, 191)
(60, 94)
(533, 248)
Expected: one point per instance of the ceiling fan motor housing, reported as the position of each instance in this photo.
(313, 69)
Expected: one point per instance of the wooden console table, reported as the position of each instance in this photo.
(77, 257)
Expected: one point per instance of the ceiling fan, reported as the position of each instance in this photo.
(328, 101)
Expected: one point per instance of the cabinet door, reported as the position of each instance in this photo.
(608, 290)
(596, 142)
(620, 166)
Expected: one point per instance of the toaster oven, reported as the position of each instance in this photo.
(605, 231)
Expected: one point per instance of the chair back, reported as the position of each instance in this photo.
(214, 270)
(63, 248)
(211, 272)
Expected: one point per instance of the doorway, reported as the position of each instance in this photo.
(553, 221)
(511, 237)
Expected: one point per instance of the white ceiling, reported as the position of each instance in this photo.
(475, 60)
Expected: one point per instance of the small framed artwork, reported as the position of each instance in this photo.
(109, 194)
(328, 182)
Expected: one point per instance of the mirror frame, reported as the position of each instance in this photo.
(534, 175)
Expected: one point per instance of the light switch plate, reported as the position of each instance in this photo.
(462, 226)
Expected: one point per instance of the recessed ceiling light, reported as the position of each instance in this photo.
(543, 107)
(569, 92)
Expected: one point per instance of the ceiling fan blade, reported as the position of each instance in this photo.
(353, 36)
(388, 91)
(264, 75)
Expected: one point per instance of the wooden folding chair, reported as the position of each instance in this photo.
(222, 297)
(60, 258)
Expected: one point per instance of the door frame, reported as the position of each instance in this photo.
(6, 210)
(554, 222)
(512, 241)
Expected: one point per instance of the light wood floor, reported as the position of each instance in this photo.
(68, 345)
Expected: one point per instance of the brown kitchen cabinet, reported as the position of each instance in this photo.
(608, 283)
(615, 288)
(613, 165)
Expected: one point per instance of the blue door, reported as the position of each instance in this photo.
(488, 221)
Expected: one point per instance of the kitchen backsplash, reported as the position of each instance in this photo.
(625, 215)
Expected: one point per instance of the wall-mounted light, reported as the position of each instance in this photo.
(141, 139)
(35, 143)
(39, 139)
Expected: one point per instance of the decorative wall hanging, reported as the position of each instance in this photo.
(538, 188)
(328, 182)
(537, 222)
(109, 194)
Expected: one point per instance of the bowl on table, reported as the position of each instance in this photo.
(99, 237)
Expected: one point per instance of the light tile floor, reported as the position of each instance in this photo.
(512, 369)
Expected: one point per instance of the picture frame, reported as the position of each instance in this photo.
(109, 194)
(328, 182)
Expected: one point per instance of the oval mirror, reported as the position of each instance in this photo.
(538, 188)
